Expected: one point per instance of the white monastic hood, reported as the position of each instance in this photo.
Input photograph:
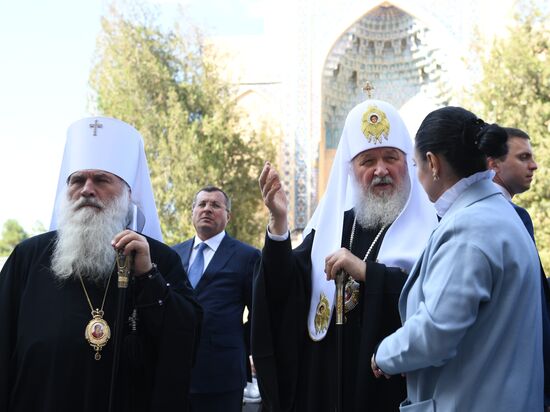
(103, 143)
(405, 239)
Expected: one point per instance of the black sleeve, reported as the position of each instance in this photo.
(249, 273)
(8, 319)
(280, 302)
(13, 278)
(171, 317)
(284, 267)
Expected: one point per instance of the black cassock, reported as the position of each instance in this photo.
(47, 365)
(294, 372)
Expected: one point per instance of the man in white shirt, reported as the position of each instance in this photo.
(220, 270)
(513, 174)
(514, 171)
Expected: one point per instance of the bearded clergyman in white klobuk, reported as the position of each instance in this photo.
(372, 222)
(58, 291)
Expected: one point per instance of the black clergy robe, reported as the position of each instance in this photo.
(47, 365)
(294, 372)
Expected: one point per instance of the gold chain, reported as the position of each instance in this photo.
(96, 311)
(97, 331)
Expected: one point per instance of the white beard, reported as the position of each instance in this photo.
(373, 211)
(83, 246)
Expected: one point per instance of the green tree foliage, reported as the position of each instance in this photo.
(38, 228)
(12, 234)
(515, 92)
(166, 82)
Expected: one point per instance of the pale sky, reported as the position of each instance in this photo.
(46, 49)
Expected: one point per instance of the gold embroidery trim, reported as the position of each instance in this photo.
(375, 125)
(322, 314)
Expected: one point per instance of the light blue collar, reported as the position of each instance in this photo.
(450, 195)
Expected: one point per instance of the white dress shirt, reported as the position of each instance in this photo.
(213, 243)
(505, 192)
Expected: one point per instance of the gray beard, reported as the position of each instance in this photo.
(83, 246)
(373, 211)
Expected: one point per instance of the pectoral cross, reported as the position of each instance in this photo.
(368, 88)
(96, 125)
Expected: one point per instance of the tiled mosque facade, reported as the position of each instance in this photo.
(309, 69)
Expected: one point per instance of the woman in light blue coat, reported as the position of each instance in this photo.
(471, 338)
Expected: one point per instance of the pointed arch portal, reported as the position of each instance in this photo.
(391, 49)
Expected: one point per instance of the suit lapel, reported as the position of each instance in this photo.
(224, 252)
(186, 248)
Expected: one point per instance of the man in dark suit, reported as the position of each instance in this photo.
(513, 174)
(220, 270)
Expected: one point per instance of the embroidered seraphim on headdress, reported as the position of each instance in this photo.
(375, 125)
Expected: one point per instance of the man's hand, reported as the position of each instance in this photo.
(131, 242)
(378, 373)
(343, 259)
(275, 199)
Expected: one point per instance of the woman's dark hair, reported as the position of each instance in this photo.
(462, 138)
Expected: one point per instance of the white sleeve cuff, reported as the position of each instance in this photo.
(277, 238)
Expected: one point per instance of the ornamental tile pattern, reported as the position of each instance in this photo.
(389, 48)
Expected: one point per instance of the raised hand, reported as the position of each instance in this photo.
(275, 199)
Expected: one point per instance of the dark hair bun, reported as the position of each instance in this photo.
(462, 138)
(491, 140)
